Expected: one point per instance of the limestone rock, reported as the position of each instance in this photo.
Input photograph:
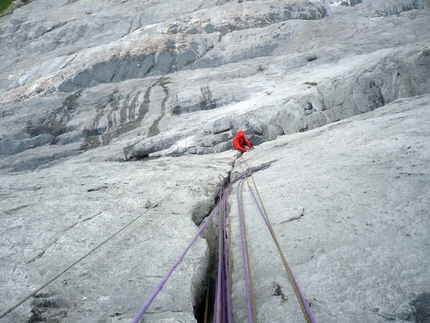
(116, 120)
(217, 126)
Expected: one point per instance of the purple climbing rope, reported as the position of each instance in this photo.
(219, 284)
(244, 258)
(225, 280)
(229, 318)
(160, 286)
(302, 301)
(222, 305)
(300, 297)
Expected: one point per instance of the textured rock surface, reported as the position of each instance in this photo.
(350, 205)
(111, 110)
(54, 216)
(90, 88)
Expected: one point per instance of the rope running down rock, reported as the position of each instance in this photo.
(31, 294)
(222, 304)
(300, 297)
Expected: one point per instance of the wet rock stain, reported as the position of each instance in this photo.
(124, 115)
(154, 130)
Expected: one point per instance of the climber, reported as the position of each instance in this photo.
(240, 141)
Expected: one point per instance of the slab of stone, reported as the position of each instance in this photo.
(87, 88)
(349, 205)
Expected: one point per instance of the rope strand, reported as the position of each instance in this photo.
(27, 297)
(222, 305)
(244, 254)
(299, 295)
(160, 286)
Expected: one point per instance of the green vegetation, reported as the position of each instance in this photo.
(4, 4)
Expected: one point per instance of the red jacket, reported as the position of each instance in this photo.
(240, 141)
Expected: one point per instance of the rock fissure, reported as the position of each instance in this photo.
(287, 83)
(204, 300)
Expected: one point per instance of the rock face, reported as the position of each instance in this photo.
(349, 204)
(116, 120)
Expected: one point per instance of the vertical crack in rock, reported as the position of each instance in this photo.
(210, 234)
